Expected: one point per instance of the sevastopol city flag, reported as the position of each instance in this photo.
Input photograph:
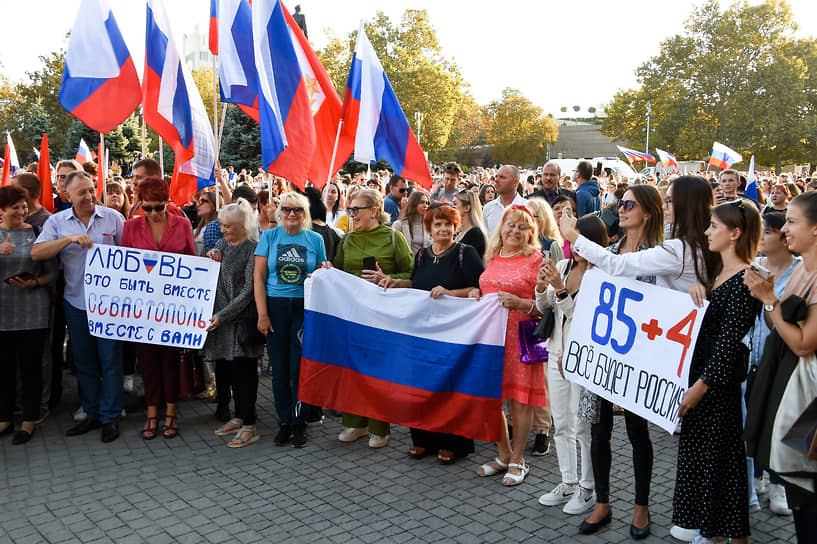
(401, 356)
(99, 82)
(173, 107)
(83, 152)
(722, 156)
(633, 155)
(667, 159)
(10, 161)
(373, 114)
(751, 181)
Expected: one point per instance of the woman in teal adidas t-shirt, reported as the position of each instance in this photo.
(285, 256)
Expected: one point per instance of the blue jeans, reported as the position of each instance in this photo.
(284, 346)
(99, 368)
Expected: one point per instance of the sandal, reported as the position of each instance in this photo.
(239, 442)
(172, 430)
(516, 479)
(224, 430)
(488, 470)
(149, 431)
(417, 452)
(446, 457)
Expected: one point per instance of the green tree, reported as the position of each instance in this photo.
(469, 131)
(577, 108)
(241, 142)
(44, 88)
(35, 123)
(519, 131)
(738, 76)
(423, 78)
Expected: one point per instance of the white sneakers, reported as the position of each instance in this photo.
(559, 495)
(80, 415)
(377, 441)
(684, 535)
(777, 500)
(581, 501)
(350, 434)
(761, 484)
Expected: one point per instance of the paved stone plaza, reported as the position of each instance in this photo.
(194, 489)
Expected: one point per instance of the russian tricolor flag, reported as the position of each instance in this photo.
(633, 155)
(173, 107)
(285, 112)
(83, 153)
(722, 156)
(99, 82)
(401, 356)
(373, 114)
(667, 159)
(238, 79)
(213, 37)
(751, 181)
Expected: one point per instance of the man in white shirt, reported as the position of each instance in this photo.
(507, 179)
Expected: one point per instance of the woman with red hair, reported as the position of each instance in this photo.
(443, 268)
(158, 230)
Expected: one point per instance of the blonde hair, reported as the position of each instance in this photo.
(374, 200)
(543, 213)
(243, 212)
(475, 213)
(514, 213)
(297, 200)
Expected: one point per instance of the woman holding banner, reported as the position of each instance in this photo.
(711, 488)
(158, 230)
(789, 353)
(677, 263)
(230, 342)
(557, 285)
(513, 264)
(26, 305)
(374, 252)
(443, 268)
(285, 256)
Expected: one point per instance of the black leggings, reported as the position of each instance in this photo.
(242, 374)
(26, 349)
(639, 435)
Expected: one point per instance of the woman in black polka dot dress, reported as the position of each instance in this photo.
(711, 488)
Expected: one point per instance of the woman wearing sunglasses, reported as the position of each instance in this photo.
(284, 257)
(158, 230)
(208, 231)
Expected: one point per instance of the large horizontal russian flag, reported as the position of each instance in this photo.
(373, 114)
(99, 82)
(401, 356)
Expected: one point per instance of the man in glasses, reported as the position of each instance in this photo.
(69, 234)
(394, 201)
(62, 202)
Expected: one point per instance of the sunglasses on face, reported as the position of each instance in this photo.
(403, 190)
(626, 205)
(354, 209)
(156, 208)
(286, 210)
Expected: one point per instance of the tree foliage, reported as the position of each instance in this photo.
(470, 130)
(241, 142)
(423, 78)
(738, 76)
(519, 130)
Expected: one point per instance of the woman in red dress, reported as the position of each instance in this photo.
(513, 263)
(158, 230)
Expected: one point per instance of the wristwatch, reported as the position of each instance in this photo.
(561, 295)
(769, 306)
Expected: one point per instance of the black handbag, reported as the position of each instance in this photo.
(545, 327)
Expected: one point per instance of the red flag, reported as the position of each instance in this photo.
(6, 167)
(44, 173)
(182, 186)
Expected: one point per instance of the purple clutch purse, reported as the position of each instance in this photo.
(532, 350)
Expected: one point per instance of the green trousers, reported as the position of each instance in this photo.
(380, 428)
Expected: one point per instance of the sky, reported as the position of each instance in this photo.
(556, 53)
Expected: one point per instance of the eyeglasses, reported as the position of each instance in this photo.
(156, 208)
(354, 209)
(286, 210)
(626, 205)
(61, 176)
(403, 190)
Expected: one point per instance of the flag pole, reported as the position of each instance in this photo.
(100, 171)
(144, 131)
(215, 106)
(221, 126)
(161, 156)
(334, 153)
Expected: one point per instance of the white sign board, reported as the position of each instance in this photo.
(149, 297)
(632, 343)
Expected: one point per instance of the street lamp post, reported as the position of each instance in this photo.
(418, 117)
(649, 111)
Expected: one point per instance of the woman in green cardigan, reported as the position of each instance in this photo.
(371, 241)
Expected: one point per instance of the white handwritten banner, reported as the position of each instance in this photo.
(149, 297)
(632, 343)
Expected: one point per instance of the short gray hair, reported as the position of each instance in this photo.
(76, 174)
(242, 212)
(555, 165)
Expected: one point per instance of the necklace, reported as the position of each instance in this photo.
(514, 254)
(437, 256)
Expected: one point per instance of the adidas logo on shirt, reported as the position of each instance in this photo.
(292, 256)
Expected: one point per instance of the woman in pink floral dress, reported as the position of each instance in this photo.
(513, 263)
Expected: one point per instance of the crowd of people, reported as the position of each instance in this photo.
(528, 236)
